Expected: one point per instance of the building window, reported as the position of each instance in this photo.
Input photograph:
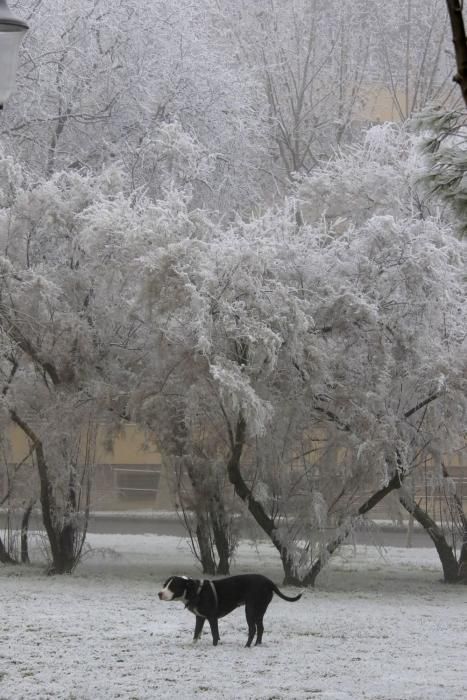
(134, 482)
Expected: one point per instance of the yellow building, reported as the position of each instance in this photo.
(127, 476)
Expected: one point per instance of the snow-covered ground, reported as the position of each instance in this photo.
(376, 628)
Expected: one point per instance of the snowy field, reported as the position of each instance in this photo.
(377, 628)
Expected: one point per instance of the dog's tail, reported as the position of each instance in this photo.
(286, 597)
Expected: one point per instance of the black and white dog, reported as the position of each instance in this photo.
(210, 600)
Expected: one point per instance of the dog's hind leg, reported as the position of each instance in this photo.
(259, 614)
(214, 630)
(250, 618)
(260, 630)
(198, 627)
(255, 614)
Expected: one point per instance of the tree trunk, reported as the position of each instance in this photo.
(463, 521)
(66, 557)
(463, 552)
(220, 529)
(266, 523)
(239, 484)
(62, 538)
(203, 535)
(445, 552)
(5, 557)
(24, 533)
(460, 44)
(463, 559)
(290, 576)
(392, 485)
(203, 526)
(208, 505)
(409, 538)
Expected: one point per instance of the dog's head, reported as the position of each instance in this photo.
(178, 588)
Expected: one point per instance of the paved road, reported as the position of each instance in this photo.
(387, 536)
(136, 526)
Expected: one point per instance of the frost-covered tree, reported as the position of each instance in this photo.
(298, 334)
(388, 163)
(309, 353)
(309, 364)
(442, 144)
(379, 176)
(262, 90)
(308, 61)
(198, 291)
(409, 57)
(148, 374)
(60, 317)
(145, 85)
(313, 363)
(409, 275)
(69, 84)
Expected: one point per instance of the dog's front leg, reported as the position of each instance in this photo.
(214, 630)
(198, 627)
